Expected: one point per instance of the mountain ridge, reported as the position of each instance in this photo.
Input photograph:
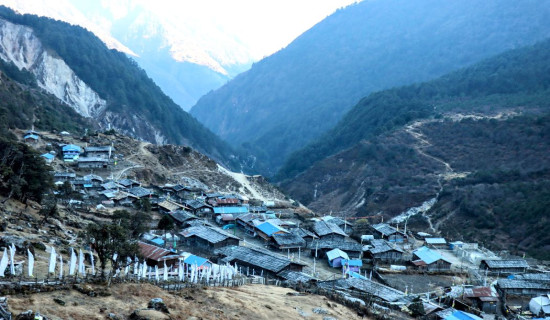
(295, 95)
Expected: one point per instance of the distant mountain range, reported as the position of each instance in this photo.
(102, 85)
(185, 62)
(292, 97)
(470, 149)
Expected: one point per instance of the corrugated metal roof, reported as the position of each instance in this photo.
(381, 245)
(323, 228)
(140, 192)
(269, 229)
(195, 260)
(71, 147)
(364, 285)
(502, 264)
(232, 210)
(295, 276)
(337, 253)
(428, 255)
(522, 284)
(210, 234)
(289, 240)
(385, 229)
(435, 241)
(152, 252)
(256, 257)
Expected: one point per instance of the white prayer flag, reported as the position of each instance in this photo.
(92, 260)
(53, 259)
(156, 273)
(144, 269)
(72, 264)
(12, 257)
(60, 267)
(4, 263)
(31, 262)
(165, 275)
(81, 268)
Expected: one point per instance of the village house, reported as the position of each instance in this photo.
(141, 192)
(64, 176)
(305, 234)
(256, 261)
(482, 298)
(363, 287)
(346, 226)
(199, 208)
(352, 265)
(196, 261)
(92, 162)
(181, 217)
(288, 242)
(31, 136)
(437, 243)
(95, 180)
(208, 238)
(157, 256)
(71, 152)
(509, 266)
(246, 223)
(319, 248)
(167, 206)
(48, 157)
(103, 152)
(328, 230)
(522, 287)
(384, 251)
(295, 276)
(336, 258)
(387, 232)
(267, 229)
(428, 259)
(235, 211)
(128, 183)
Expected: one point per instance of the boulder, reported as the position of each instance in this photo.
(148, 314)
(158, 304)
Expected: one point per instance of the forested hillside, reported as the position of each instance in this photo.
(135, 104)
(515, 78)
(294, 96)
(474, 142)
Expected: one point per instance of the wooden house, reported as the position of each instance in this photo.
(352, 265)
(71, 152)
(256, 261)
(99, 152)
(428, 259)
(363, 287)
(207, 238)
(64, 176)
(156, 256)
(246, 223)
(167, 206)
(437, 243)
(199, 208)
(320, 247)
(384, 251)
(326, 230)
(288, 241)
(181, 217)
(267, 229)
(92, 162)
(305, 234)
(506, 266)
(387, 232)
(522, 287)
(128, 183)
(141, 192)
(482, 298)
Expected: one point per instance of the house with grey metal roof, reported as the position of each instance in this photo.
(99, 152)
(295, 276)
(438, 243)
(257, 260)
(385, 231)
(384, 251)
(287, 241)
(199, 208)
(208, 238)
(140, 192)
(505, 266)
(305, 234)
(522, 287)
(320, 247)
(325, 229)
(361, 287)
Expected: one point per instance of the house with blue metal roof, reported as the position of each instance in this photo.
(352, 265)
(200, 262)
(266, 230)
(428, 259)
(31, 138)
(48, 157)
(230, 210)
(71, 152)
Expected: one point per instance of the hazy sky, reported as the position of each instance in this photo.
(262, 26)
